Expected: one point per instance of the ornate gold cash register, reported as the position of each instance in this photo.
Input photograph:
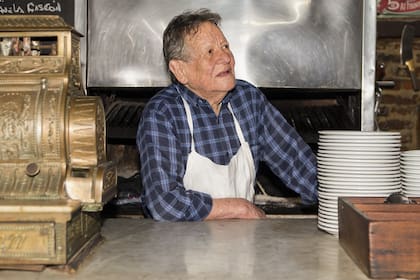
(54, 174)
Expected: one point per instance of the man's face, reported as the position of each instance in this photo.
(209, 68)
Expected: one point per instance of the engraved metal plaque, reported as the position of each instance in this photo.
(29, 240)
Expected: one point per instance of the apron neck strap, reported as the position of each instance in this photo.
(237, 126)
(190, 122)
(191, 126)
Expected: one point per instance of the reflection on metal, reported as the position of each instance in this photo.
(303, 44)
(54, 175)
(276, 43)
(368, 67)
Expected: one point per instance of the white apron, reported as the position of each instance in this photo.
(235, 180)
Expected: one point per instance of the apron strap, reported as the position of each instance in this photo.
(190, 122)
(237, 126)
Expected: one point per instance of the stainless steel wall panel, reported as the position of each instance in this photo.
(277, 43)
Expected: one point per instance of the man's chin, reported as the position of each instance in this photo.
(229, 84)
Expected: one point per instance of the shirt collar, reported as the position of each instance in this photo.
(196, 100)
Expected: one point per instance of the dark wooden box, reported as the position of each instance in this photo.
(382, 239)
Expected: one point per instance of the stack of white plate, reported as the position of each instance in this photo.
(355, 163)
(410, 173)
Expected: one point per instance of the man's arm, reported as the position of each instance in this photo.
(234, 208)
(164, 195)
(287, 155)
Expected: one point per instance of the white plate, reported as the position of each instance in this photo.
(360, 173)
(327, 210)
(330, 228)
(410, 169)
(327, 184)
(360, 138)
(369, 142)
(377, 148)
(361, 179)
(409, 181)
(410, 176)
(326, 221)
(358, 167)
(357, 133)
(333, 232)
(410, 164)
(365, 153)
(352, 164)
(341, 192)
(328, 218)
(358, 194)
(326, 198)
(412, 193)
(360, 143)
(328, 224)
(334, 196)
(328, 202)
(342, 176)
(334, 206)
(411, 189)
(340, 188)
(332, 219)
(375, 186)
(410, 158)
(411, 153)
(357, 161)
(359, 154)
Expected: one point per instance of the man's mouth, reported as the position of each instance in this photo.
(224, 73)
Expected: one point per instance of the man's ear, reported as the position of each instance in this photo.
(176, 66)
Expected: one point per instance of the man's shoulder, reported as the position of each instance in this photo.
(245, 84)
(163, 99)
(248, 91)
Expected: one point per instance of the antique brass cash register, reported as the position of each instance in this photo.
(54, 174)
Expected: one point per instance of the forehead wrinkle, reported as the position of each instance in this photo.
(209, 35)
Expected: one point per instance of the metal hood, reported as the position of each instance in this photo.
(277, 43)
(304, 44)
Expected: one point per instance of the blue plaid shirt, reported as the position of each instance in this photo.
(164, 140)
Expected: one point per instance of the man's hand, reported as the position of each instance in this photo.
(234, 208)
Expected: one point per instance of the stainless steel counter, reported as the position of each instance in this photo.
(231, 249)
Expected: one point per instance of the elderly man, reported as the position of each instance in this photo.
(201, 138)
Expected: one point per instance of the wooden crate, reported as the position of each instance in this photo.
(382, 239)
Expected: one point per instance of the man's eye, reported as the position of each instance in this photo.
(226, 46)
(210, 51)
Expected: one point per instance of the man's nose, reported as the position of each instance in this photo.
(225, 56)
